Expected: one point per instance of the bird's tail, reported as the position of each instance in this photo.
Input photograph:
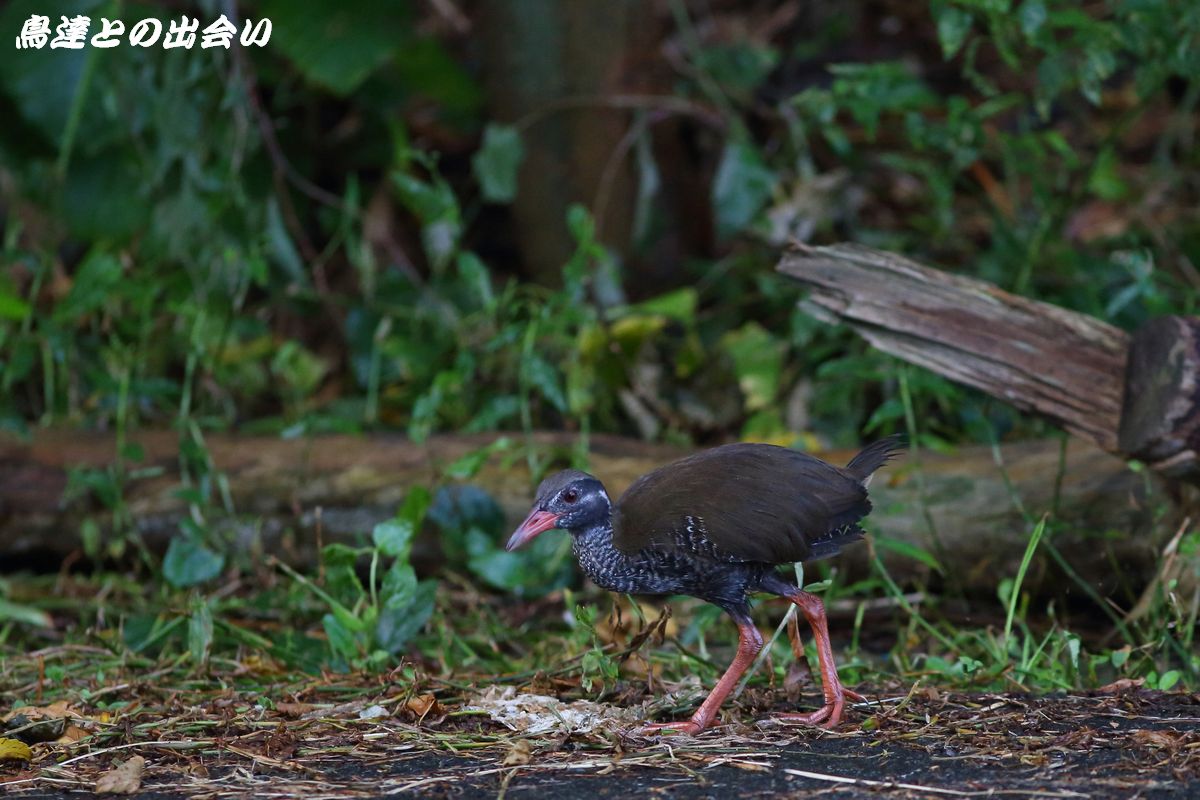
(874, 456)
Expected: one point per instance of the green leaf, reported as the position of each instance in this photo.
(909, 550)
(188, 562)
(1168, 680)
(541, 567)
(200, 633)
(95, 283)
(497, 163)
(24, 614)
(467, 466)
(474, 274)
(342, 641)
(12, 307)
(741, 188)
(1105, 181)
(399, 584)
(398, 623)
(416, 503)
(953, 25)
(394, 537)
(337, 43)
(758, 362)
(544, 378)
(679, 305)
(464, 507)
(1032, 16)
(42, 83)
(740, 66)
(459, 509)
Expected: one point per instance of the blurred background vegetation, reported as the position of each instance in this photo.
(458, 216)
(453, 216)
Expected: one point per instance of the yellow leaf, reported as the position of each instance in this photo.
(13, 750)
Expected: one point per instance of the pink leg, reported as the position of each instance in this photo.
(750, 641)
(835, 694)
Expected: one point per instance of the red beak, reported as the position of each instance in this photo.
(535, 523)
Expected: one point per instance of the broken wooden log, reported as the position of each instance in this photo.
(1160, 423)
(1137, 396)
(291, 495)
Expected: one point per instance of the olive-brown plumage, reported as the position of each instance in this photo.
(715, 525)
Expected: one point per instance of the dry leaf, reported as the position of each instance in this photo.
(520, 754)
(1123, 685)
(124, 778)
(13, 750)
(294, 709)
(421, 705)
(72, 734)
(798, 676)
(1165, 740)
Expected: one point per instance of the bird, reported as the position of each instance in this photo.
(717, 525)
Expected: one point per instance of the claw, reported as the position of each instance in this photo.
(830, 714)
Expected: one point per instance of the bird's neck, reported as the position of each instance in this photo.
(598, 557)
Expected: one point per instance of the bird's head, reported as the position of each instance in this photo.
(571, 500)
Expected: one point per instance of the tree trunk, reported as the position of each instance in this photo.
(541, 54)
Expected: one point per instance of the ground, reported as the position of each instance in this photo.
(1120, 743)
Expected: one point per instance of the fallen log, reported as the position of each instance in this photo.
(1136, 397)
(967, 510)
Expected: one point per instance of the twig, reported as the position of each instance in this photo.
(820, 776)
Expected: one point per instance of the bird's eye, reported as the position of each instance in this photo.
(570, 495)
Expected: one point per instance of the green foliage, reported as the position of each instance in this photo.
(188, 562)
(497, 162)
(471, 528)
(371, 624)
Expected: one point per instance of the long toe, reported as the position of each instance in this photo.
(855, 696)
(830, 714)
(684, 727)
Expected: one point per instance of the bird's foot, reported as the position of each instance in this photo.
(684, 727)
(830, 713)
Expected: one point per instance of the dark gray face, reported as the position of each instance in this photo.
(577, 499)
(571, 500)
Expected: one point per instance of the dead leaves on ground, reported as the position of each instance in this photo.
(124, 778)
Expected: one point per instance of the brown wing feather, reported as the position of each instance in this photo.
(743, 502)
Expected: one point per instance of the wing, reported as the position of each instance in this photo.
(743, 502)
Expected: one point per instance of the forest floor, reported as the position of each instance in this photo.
(1121, 742)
